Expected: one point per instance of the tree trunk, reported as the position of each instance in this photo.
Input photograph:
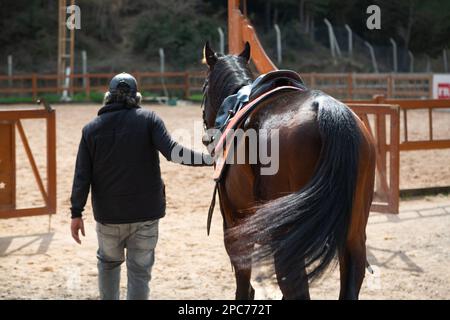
(267, 24)
(301, 15)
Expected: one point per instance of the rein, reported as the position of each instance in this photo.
(208, 139)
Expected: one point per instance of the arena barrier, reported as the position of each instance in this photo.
(428, 105)
(10, 120)
(375, 117)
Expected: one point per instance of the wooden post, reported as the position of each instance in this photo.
(34, 86)
(187, 89)
(235, 44)
(430, 86)
(350, 85)
(88, 85)
(389, 87)
(405, 123)
(430, 122)
(7, 165)
(381, 137)
(51, 162)
(239, 31)
(394, 163)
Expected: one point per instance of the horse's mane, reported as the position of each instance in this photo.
(229, 74)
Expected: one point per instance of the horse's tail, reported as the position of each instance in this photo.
(312, 223)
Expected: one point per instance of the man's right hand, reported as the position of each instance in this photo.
(77, 225)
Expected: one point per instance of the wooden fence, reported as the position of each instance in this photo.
(391, 131)
(406, 105)
(9, 121)
(37, 84)
(356, 86)
(349, 86)
(375, 116)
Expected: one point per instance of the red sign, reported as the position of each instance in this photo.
(443, 90)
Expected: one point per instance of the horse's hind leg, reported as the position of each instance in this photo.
(352, 264)
(242, 273)
(352, 259)
(293, 285)
(244, 289)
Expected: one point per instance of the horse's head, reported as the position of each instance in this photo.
(226, 75)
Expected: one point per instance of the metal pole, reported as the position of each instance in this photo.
(162, 70)
(444, 56)
(411, 61)
(372, 56)
(10, 69)
(330, 36)
(84, 67)
(222, 40)
(66, 85)
(350, 41)
(428, 63)
(336, 45)
(279, 49)
(394, 54)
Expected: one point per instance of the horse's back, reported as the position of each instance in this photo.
(294, 115)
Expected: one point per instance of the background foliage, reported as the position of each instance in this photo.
(126, 34)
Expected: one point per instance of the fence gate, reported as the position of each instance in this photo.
(382, 120)
(10, 120)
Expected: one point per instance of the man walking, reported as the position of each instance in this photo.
(118, 160)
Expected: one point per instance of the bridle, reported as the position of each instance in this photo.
(207, 138)
(202, 106)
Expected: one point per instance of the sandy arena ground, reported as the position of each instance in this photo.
(410, 251)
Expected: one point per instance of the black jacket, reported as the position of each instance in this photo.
(118, 158)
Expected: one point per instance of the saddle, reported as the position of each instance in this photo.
(264, 83)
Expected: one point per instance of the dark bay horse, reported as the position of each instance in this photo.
(316, 206)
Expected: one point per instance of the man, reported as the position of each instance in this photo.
(118, 159)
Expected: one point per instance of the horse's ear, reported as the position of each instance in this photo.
(246, 53)
(209, 55)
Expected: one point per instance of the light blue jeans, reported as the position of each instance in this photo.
(139, 239)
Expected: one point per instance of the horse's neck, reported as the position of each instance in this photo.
(233, 90)
(236, 88)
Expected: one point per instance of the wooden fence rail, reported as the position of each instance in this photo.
(392, 134)
(427, 105)
(349, 86)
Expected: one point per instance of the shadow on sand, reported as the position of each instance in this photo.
(43, 239)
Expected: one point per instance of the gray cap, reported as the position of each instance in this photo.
(123, 80)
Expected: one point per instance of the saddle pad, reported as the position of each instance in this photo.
(221, 150)
(261, 85)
